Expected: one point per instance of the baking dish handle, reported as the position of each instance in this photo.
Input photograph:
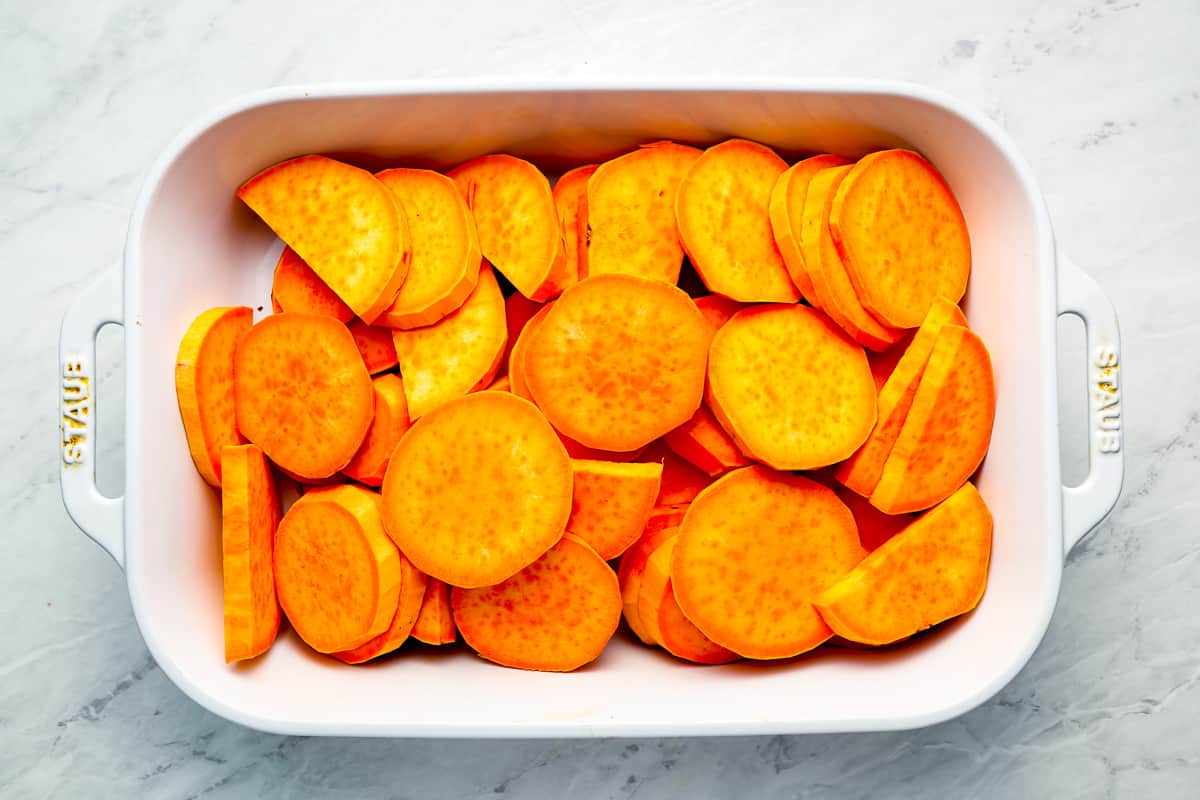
(1085, 505)
(102, 518)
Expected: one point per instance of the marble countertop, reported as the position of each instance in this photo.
(1102, 96)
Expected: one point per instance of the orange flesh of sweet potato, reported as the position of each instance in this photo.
(435, 623)
(933, 570)
(883, 363)
(342, 222)
(717, 310)
(612, 503)
(337, 573)
(745, 578)
(861, 471)
(786, 214)
(412, 596)
(790, 388)
(654, 583)
(680, 480)
(517, 379)
(518, 310)
(825, 269)
(518, 226)
(704, 443)
(204, 385)
(722, 213)
(570, 201)
(682, 639)
(478, 489)
(501, 384)
(948, 428)
(662, 525)
(298, 290)
(631, 213)
(446, 254)
(555, 615)
(901, 235)
(389, 424)
(874, 526)
(302, 393)
(249, 517)
(456, 354)
(618, 361)
(374, 342)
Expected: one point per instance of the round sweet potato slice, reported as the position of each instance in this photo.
(618, 361)
(665, 621)
(662, 525)
(389, 424)
(786, 212)
(555, 615)
(902, 236)
(478, 489)
(412, 596)
(754, 551)
(791, 389)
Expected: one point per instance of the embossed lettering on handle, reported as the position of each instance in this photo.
(76, 410)
(1106, 390)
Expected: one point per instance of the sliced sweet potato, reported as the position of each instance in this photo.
(204, 385)
(861, 471)
(745, 578)
(825, 269)
(717, 310)
(786, 212)
(478, 489)
(570, 200)
(249, 517)
(435, 623)
(790, 387)
(446, 254)
(412, 596)
(611, 503)
(933, 570)
(618, 361)
(665, 620)
(297, 289)
(457, 354)
(374, 342)
(518, 310)
(342, 221)
(517, 380)
(518, 227)
(555, 615)
(302, 393)
(389, 424)
(945, 436)
(662, 525)
(874, 526)
(721, 211)
(883, 363)
(577, 450)
(680, 480)
(501, 384)
(337, 573)
(901, 235)
(702, 442)
(654, 583)
(631, 213)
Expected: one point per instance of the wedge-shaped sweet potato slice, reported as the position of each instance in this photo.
(874, 526)
(478, 489)
(861, 471)
(518, 310)
(337, 573)
(298, 290)
(662, 525)
(933, 570)
(204, 385)
(389, 424)
(680, 480)
(374, 342)
(446, 254)
(722, 213)
(825, 268)
(717, 310)
(631, 213)
(743, 574)
(612, 502)
(302, 393)
(790, 387)
(618, 361)
(435, 623)
(518, 226)
(342, 221)
(901, 235)
(555, 615)
(412, 596)
(703, 443)
(946, 433)
(457, 354)
(570, 201)
(249, 517)
(674, 632)
(786, 213)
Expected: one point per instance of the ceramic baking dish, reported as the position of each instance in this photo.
(191, 245)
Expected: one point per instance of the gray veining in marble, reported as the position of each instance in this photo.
(1102, 97)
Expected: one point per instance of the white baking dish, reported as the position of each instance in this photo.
(191, 245)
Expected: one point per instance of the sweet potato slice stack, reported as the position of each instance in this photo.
(570, 201)
(388, 425)
(786, 212)
(665, 621)
(408, 606)
(435, 622)
(662, 524)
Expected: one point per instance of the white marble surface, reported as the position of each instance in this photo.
(1102, 97)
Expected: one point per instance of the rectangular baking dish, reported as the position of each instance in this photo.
(191, 245)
